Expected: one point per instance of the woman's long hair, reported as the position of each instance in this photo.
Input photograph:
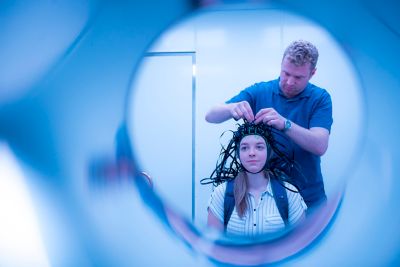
(239, 192)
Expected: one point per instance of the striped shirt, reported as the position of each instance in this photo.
(259, 219)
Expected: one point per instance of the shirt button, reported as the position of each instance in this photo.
(254, 209)
(254, 224)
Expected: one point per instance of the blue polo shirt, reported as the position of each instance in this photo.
(311, 108)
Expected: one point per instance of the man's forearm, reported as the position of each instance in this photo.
(314, 140)
(219, 113)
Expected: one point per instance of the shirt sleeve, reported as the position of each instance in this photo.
(297, 206)
(248, 94)
(322, 115)
(216, 202)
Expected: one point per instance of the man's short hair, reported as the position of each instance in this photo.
(300, 52)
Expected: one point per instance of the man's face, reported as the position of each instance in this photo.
(294, 79)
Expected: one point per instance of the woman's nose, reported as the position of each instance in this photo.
(251, 152)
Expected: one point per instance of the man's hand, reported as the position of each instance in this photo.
(270, 117)
(241, 110)
(314, 140)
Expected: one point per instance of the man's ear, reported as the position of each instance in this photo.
(313, 72)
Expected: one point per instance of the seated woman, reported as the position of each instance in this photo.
(252, 196)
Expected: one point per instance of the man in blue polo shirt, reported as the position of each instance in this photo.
(291, 104)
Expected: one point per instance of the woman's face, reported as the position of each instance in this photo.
(253, 153)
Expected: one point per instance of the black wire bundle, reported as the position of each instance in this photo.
(228, 165)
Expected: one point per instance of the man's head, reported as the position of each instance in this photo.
(301, 52)
(298, 66)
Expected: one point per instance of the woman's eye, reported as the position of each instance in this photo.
(243, 148)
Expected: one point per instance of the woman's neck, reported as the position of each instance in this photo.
(256, 181)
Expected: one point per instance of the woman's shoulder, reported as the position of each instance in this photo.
(290, 189)
(220, 189)
(294, 195)
(290, 186)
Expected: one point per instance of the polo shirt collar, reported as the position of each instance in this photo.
(305, 94)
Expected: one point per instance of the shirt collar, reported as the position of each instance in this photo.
(269, 189)
(305, 94)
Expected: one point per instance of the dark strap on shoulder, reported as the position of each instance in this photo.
(229, 202)
(281, 199)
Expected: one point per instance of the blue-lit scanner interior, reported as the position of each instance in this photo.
(72, 74)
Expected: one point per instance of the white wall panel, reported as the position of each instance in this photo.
(160, 122)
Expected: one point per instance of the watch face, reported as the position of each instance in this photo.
(288, 124)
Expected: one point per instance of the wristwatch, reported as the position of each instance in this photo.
(288, 125)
